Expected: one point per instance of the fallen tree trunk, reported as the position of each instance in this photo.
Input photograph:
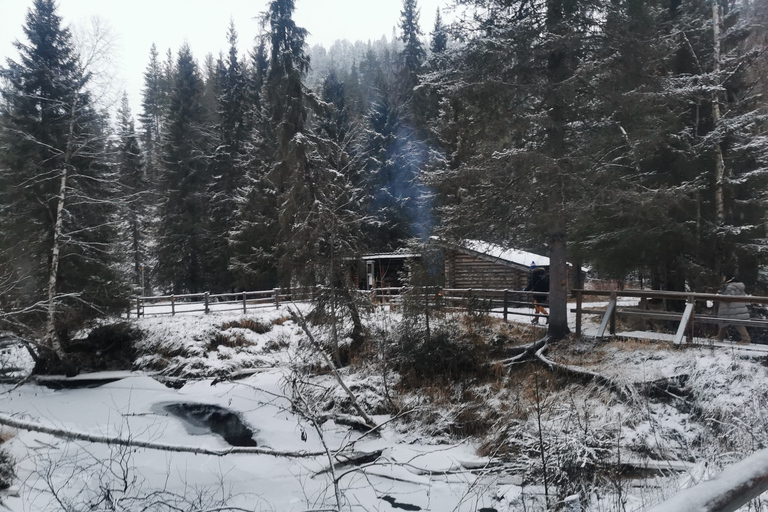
(9, 421)
(736, 486)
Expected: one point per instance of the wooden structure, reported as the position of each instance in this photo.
(479, 265)
(205, 302)
(385, 270)
(695, 311)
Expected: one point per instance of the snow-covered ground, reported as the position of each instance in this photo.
(413, 472)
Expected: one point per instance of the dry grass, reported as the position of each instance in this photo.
(6, 436)
(276, 345)
(229, 340)
(248, 323)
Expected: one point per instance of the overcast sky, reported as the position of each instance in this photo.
(203, 24)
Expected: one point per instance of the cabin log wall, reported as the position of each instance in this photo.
(466, 271)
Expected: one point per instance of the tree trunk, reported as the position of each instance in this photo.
(52, 340)
(558, 282)
(719, 162)
(558, 71)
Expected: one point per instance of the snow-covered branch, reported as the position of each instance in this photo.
(12, 422)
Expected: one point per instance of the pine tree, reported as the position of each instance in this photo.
(154, 103)
(55, 186)
(289, 174)
(413, 54)
(511, 125)
(185, 178)
(681, 224)
(135, 192)
(228, 175)
(439, 35)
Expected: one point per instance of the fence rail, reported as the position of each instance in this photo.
(205, 302)
(460, 298)
(693, 308)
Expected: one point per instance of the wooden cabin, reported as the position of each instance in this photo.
(384, 270)
(478, 265)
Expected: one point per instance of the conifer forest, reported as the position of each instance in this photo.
(627, 135)
(626, 140)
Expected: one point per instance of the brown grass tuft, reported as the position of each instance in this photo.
(248, 323)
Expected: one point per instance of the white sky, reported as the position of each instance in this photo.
(204, 23)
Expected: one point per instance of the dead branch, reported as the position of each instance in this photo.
(319, 348)
(354, 422)
(536, 351)
(524, 352)
(583, 373)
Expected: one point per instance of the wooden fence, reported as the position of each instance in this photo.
(205, 302)
(466, 299)
(694, 308)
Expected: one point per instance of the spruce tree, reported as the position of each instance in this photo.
(439, 35)
(511, 125)
(253, 230)
(56, 189)
(681, 121)
(134, 207)
(228, 173)
(185, 178)
(285, 104)
(413, 54)
(154, 104)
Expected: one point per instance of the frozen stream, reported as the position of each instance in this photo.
(405, 477)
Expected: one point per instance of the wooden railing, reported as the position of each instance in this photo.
(462, 298)
(695, 308)
(485, 299)
(205, 302)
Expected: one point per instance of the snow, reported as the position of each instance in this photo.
(413, 469)
(523, 258)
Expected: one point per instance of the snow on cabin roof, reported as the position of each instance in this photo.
(390, 255)
(515, 256)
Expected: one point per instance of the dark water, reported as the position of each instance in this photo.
(204, 418)
(396, 504)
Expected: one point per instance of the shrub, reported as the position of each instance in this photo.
(445, 353)
(7, 469)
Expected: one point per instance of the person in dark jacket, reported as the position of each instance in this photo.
(732, 310)
(538, 281)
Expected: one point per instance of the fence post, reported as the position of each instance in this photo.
(277, 298)
(205, 297)
(245, 302)
(613, 314)
(506, 304)
(138, 307)
(692, 322)
(173, 305)
(578, 313)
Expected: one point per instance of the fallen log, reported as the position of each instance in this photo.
(12, 422)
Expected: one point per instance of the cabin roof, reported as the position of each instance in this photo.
(523, 258)
(390, 256)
